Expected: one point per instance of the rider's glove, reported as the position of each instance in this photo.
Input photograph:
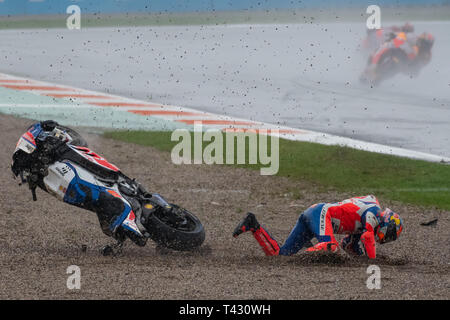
(352, 244)
(368, 240)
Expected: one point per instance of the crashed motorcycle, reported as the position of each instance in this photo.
(57, 160)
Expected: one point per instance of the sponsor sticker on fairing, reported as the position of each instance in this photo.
(25, 145)
(130, 222)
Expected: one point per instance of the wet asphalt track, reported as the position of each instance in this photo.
(298, 75)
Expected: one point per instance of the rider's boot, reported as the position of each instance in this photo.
(264, 239)
(249, 223)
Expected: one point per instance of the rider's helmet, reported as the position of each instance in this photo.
(425, 41)
(390, 226)
(401, 36)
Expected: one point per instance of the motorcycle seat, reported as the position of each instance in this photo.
(99, 170)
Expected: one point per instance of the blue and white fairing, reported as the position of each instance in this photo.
(72, 183)
(75, 185)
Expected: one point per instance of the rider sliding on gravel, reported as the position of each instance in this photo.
(361, 218)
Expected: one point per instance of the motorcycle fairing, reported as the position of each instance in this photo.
(58, 179)
(26, 144)
(27, 141)
(128, 221)
(84, 191)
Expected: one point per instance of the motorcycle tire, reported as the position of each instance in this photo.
(184, 236)
(389, 65)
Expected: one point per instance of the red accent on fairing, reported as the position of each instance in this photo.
(29, 136)
(115, 194)
(398, 42)
(378, 55)
(92, 156)
(268, 244)
(131, 216)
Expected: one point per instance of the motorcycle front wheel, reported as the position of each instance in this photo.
(175, 228)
